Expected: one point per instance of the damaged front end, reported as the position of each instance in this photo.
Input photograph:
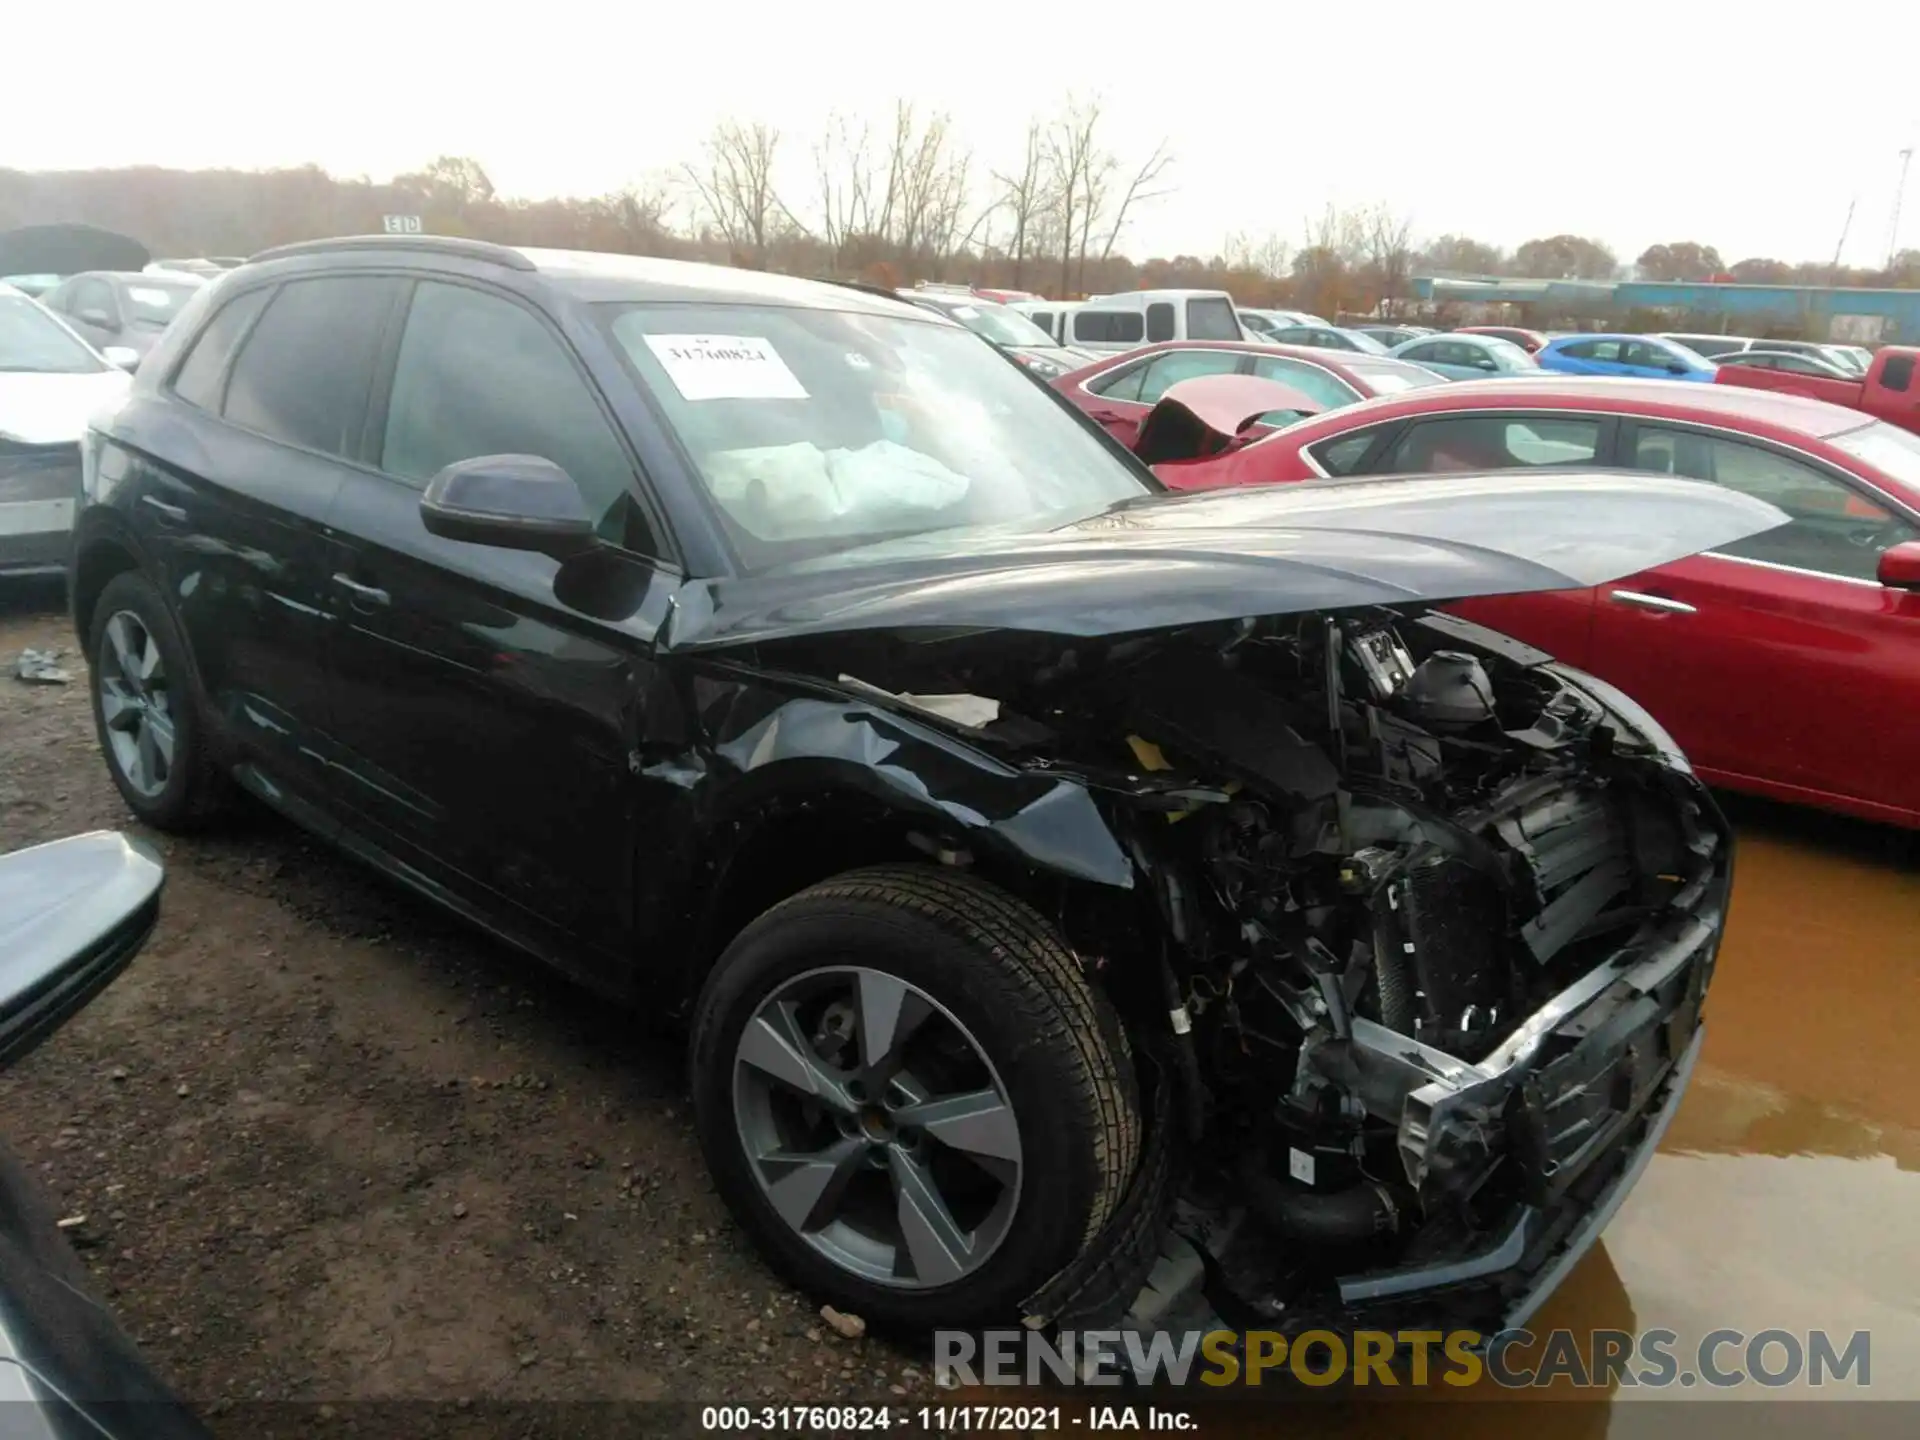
(1438, 938)
(1433, 920)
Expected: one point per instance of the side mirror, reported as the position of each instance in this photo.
(122, 357)
(1676, 367)
(512, 502)
(1900, 566)
(72, 914)
(98, 318)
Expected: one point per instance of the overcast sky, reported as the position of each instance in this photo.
(1500, 121)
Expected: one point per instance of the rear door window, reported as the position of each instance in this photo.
(1342, 454)
(1648, 357)
(304, 372)
(201, 376)
(1177, 365)
(1120, 383)
(1109, 327)
(1323, 386)
(1211, 318)
(1494, 442)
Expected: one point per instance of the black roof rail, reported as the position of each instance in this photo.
(437, 244)
(865, 285)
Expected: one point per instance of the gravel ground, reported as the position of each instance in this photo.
(333, 1146)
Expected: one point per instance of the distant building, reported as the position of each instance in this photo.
(1861, 317)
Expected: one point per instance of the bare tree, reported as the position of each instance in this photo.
(1077, 171)
(844, 165)
(1336, 244)
(1389, 244)
(448, 181)
(734, 183)
(1265, 254)
(1341, 232)
(1023, 196)
(1144, 186)
(927, 186)
(1089, 205)
(643, 212)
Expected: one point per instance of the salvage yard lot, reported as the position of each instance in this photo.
(331, 1144)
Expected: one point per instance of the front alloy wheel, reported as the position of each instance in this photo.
(877, 1127)
(911, 1097)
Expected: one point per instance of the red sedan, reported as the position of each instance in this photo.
(1119, 390)
(1528, 340)
(1787, 664)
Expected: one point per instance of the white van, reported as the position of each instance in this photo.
(1145, 317)
(1049, 315)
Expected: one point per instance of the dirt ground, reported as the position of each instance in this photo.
(330, 1145)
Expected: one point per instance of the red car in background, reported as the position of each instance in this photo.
(1787, 664)
(1528, 340)
(1119, 390)
(1888, 390)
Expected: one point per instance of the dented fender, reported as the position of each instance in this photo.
(810, 745)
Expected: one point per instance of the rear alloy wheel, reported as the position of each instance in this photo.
(136, 706)
(143, 708)
(911, 1097)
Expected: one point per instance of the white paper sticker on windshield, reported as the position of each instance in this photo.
(725, 367)
(142, 295)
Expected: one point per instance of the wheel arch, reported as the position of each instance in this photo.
(97, 559)
(783, 832)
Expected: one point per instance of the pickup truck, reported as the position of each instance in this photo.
(1888, 391)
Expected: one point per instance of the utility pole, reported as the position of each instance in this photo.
(1833, 275)
(1900, 194)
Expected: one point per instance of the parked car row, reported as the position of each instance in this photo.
(51, 380)
(120, 308)
(1002, 326)
(1820, 616)
(1855, 358)
(1118, 392)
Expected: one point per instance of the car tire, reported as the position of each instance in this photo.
(144, 710)
(959, 965)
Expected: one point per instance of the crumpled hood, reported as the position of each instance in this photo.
(54, 409)
(1160, 561)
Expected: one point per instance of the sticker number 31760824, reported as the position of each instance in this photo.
(725, 367)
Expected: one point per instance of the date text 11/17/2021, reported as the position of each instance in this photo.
(941, 1419)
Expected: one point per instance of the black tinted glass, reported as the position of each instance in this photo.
(478, 374)
(199, 376)
(304, 373)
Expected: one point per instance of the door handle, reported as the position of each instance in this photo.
(1653, 602)
(363, 594)
(173, 514)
